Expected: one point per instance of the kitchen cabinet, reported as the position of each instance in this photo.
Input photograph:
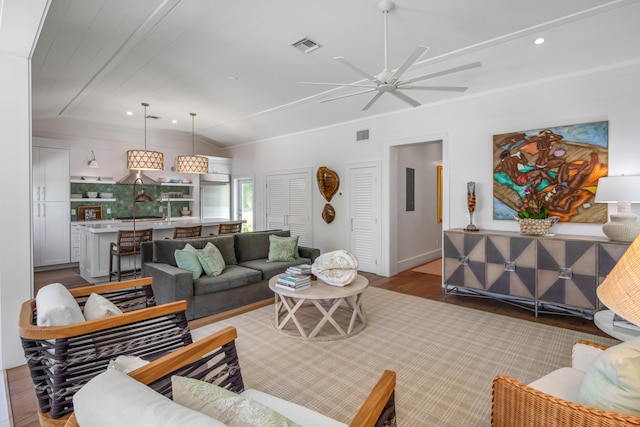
(50, 195)
(551, 274)
(75, 243)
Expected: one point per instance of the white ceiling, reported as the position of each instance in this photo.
(97, 59)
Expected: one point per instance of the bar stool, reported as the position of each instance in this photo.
(128, 244)
(230, 228)
(181, 232)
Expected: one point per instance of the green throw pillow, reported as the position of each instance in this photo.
(224, 405)
(187, 259)
(211, 260)
(282, 248)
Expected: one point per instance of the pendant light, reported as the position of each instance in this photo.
(193, 163)
(145, 160)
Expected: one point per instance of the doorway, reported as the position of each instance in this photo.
(244, 202)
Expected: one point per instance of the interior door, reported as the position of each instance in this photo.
(289, 204)
(365, 209)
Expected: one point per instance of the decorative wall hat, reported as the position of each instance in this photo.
(337, 268)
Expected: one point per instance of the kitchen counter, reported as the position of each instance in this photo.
(96, 238)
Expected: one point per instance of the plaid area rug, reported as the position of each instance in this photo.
(445, 358)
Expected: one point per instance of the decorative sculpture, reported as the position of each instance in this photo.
(328, 182)
(471, 205)
(328, 213)
(337, 268)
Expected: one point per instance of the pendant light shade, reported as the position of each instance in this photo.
(193, 163)
(145, 160)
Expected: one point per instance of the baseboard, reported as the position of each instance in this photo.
(409, 263)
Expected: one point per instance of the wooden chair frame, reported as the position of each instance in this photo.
(61, 359)
(127, 244)
(220, 357)
(230, 227)
(185, 232)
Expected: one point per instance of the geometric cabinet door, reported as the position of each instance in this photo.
(567, 272)
(464, 259)
(511, 266)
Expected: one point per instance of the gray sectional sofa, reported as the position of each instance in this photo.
(244, 280)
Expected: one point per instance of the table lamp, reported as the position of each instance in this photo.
(620, 290)
(622, 190)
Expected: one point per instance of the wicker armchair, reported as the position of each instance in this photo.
(517, 404)
(61, 359)
(220, 365)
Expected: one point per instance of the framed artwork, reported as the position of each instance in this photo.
(557, 167)
(439, 201)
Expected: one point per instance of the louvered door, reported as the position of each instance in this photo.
(289, 205)
(365, 236)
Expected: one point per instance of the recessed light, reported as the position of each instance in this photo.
(539, 40)
(129, 113)
(174, 121)
(233, 78)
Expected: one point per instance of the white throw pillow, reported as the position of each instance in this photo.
(57, 307)
(127, 364)
(612, 380)
(98, 307)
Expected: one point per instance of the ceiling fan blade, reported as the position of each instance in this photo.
(372, 100)
(442, 88)
(415, 55)
(348, 95)
(405, 98)
(441, 73)
(357, 69)
(338, 84)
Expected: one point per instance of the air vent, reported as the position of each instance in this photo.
(362, 135)
(305, 45)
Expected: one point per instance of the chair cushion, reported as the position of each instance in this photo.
(612, 381)
(563, 383)
(283, 249)
(57, 307)
(299, 414)
(98, 307)
(224, 405)
(113, 399)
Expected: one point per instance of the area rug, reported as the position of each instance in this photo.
(445, 358)
(432, 267)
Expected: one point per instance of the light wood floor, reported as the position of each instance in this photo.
(20, 388)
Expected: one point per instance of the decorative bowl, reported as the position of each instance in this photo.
(186, 181)
(164, 180)
(536, 227)
(92, 194)
(76, 196)
(185, 212)
(106, 195)
(175, 180)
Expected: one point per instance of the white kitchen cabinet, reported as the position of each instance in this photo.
(51, 240)
(75, 243)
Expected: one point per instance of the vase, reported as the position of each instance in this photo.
(471, 205)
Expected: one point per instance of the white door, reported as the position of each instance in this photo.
(244, 203)
(289, 204)
(365, 211)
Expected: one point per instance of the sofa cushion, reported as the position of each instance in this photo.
(270, 269)
(224, 405)
(57, 307)
(113, 399)
(234, 276)
(98, 307)
(211, 260)
(283, 248)
(294, 412)
(163, 250)
(187, 259)
(563, 383)
(612, 380)
(255, 245)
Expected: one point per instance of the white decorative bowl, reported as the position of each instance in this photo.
(106, 195)
(92, 194)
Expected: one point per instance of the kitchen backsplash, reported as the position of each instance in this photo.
(124, 194)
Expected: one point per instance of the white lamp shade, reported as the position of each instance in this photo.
(145, 160)
(612, 189)
(193, 164)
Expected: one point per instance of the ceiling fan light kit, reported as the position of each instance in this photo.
(391, 82)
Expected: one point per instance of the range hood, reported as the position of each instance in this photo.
(134, 175)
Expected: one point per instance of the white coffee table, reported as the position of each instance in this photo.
(604, 320)
(297, 307)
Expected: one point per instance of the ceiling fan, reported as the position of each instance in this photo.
(390, 81)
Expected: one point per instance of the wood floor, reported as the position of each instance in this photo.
(20, 388)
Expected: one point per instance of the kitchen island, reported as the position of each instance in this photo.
(96, 238)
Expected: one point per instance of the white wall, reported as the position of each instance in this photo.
(466, 126)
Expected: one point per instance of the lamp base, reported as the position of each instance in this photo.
(622, 227)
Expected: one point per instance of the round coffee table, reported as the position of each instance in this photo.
(340, 306)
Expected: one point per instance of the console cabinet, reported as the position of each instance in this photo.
(555, 273)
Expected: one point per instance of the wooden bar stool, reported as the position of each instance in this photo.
(128, 244)
(181, 232)
(230, 228)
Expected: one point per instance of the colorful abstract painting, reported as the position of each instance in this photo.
(557, 167)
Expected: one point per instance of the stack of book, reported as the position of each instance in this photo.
(624, 323)
(299, 269)
(293, 282)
